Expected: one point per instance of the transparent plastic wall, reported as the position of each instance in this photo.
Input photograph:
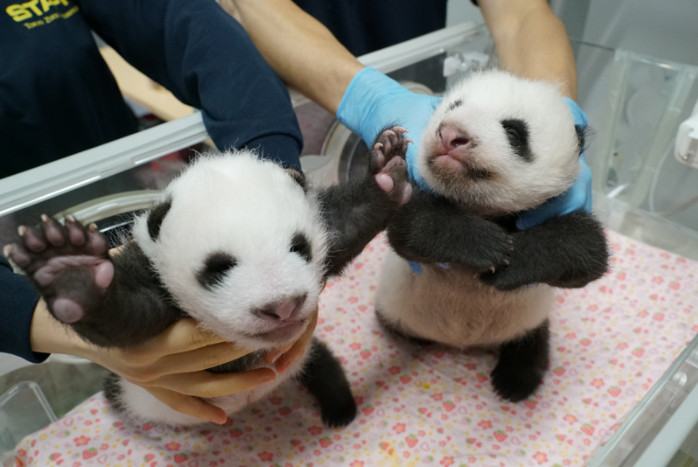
(647, 192)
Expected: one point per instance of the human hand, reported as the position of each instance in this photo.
(171, 366)
(576, 197)
(283, 357)
(373, 102)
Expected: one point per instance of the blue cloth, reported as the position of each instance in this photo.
(58, 97)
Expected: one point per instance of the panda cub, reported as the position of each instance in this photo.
(238, 243)
(459, 271)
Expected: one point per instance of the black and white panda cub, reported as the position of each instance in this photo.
(496, 145)
(239, 244)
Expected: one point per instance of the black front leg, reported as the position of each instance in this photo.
(568, 251)
(111, 302)
(357, 211)
(430, 229)
(325, 379)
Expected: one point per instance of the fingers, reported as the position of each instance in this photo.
(196, 360)
(190, 405)
(206, 385)
(298, 349)
(182, 336)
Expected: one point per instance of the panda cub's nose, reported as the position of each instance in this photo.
(452, 137)
(286, 309)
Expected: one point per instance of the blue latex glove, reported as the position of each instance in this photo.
(576, 198)
(374, 101)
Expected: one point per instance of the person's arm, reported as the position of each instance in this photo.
(301, 50)
(205, 58)
(531, 41)
(17, 302)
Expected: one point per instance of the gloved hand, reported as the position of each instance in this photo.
(373, 101)
(577, 197)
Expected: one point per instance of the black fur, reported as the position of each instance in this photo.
(581, 138)
(430, 229)
(301, 246)
(522, 364)
(215, 268)
(155, 218)
(566, 251)
(517, 134)
(299, 177)
(324, 378)
(136, 306)
(357, 211)
(136, 289)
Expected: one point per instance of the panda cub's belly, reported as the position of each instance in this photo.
(453, 307)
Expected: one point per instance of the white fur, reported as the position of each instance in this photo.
(452, 306)
(250, 208)
(487, 99)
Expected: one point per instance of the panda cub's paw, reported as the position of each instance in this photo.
(509, 277)
(387, 163)
(69, 264)
(515, 383)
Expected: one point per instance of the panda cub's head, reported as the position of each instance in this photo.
(498, 144)
(240, 245)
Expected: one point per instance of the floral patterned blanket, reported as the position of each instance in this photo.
(430, 405)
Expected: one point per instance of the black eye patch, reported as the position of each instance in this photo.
(215, 268)
(301, 246)
(517, 134)
(155, 218)
(455, 104)
(581, 138)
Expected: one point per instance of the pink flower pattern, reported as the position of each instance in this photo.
(610, 342)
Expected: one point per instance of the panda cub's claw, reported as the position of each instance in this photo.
(489, 248)
(68, 264)
(387, 163)
(512, 275)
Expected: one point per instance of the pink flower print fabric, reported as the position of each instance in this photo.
(433, 405)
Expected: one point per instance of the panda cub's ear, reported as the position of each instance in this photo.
(299, 177)
(156, 216)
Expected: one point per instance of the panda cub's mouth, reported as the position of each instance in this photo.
(281, 320)
(452, 154)
(283, 332)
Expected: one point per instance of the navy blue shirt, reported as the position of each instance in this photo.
(363, 26)
(57, 96)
